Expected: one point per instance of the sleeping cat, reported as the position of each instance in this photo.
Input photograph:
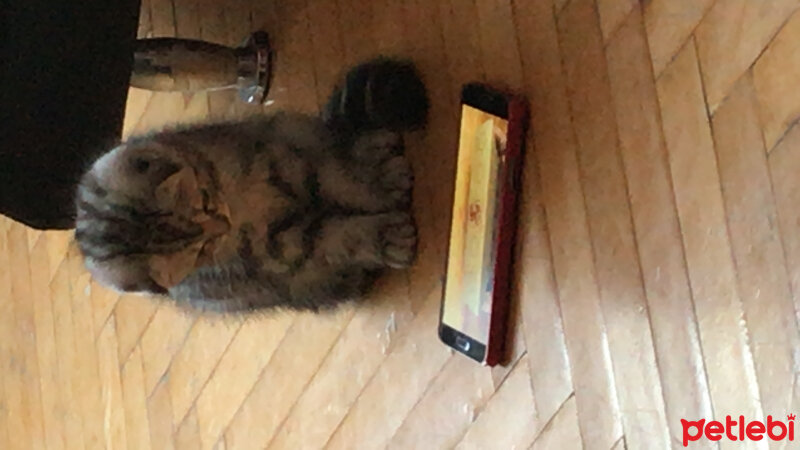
(272, 211)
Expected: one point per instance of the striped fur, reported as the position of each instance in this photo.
(281, 211)
(299, 222)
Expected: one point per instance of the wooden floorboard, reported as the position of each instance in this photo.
(656, 230)
(291, 367)
(757, 251)
(135, 397)
(237, 372)
(380, 408)
(723, 333)
(657, 273)
(114, 413)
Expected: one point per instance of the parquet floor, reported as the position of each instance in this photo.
(658, 261)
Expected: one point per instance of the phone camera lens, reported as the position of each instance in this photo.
(463, 344)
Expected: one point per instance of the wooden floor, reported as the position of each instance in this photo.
(658, 264)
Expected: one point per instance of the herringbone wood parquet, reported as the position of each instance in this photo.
(658, 259)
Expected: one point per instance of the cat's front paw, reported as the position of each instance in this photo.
(399, 241)
(397, 179)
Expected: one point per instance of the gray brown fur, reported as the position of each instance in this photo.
(311, 224)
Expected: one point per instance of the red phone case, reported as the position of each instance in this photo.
(507, 217)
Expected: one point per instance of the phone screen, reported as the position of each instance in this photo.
(469, 285)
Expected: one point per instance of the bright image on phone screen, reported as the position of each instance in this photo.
(473, 232)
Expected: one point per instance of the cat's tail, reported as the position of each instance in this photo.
(382, 93)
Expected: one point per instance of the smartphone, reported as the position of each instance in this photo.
(475, 301)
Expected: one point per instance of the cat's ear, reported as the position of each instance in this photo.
(181, 189)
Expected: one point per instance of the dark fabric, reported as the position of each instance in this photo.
(382, 93)
(64, 77)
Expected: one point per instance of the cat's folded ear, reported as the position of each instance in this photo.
(179, 190)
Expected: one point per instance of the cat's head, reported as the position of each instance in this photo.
(146, 217)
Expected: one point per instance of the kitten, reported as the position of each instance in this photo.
(270, 211)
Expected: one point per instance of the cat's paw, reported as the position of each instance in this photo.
(397, 179)
(399, 241)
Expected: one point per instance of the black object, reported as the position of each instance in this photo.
(382, 93)
(63, 87)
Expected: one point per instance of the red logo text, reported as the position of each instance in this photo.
(738, 430)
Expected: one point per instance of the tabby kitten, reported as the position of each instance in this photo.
(274, 211)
